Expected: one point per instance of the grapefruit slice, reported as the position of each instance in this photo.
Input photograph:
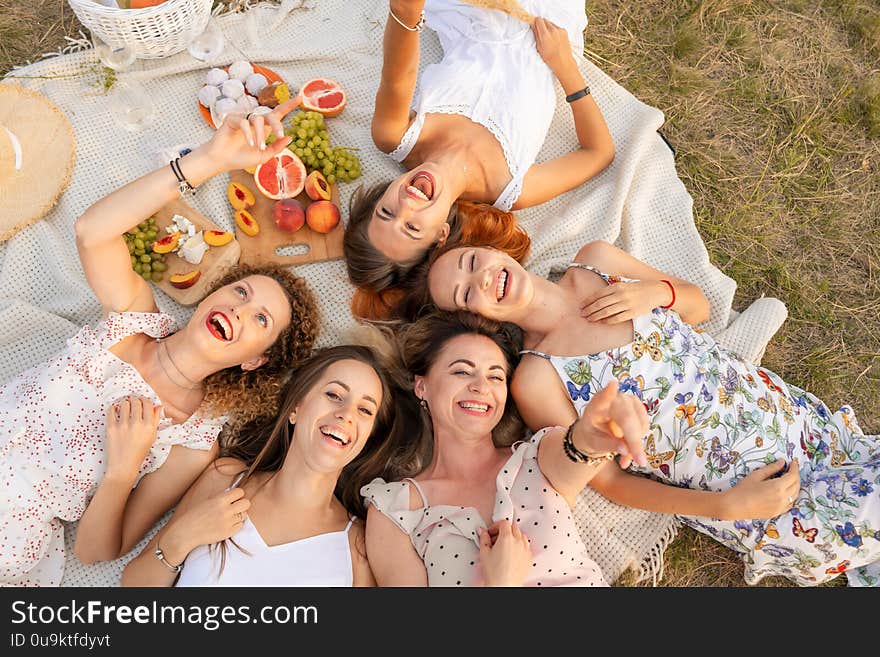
(283, 176)
(324, 96)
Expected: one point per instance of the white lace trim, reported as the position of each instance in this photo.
(513, 189)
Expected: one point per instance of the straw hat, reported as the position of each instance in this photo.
(37, 154)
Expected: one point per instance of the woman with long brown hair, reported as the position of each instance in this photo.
(474, 130)
(281, 506)
(382, 282)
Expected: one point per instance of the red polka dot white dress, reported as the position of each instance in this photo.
(52, 432)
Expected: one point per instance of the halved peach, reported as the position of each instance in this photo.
(317, 186)
(247, 223)
(183, 281)
(240, 196)
(167, 244)
(217, 237)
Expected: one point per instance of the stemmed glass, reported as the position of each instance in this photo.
(130, 104)
(118, 55)
(206, 41)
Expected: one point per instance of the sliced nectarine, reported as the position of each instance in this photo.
(166, 244)
(317, 186)
(240, 196)
(247, 223)
(217, 237)
(183, 281)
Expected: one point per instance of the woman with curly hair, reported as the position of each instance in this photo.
(285, 492)
(475, 129)
(133, 369)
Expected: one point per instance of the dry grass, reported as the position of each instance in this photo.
(774, 108)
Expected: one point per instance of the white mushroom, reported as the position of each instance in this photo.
(256, 83)
(240, 70)
(216, 77)
(232, 89)
(208, 94)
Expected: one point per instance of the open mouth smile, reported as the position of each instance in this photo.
(501, 285)
(336, 435)
(421, 186)
(472, 407)
(219, 326)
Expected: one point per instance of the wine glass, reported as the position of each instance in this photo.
(116, 55)
(206, 41)
(131, 106)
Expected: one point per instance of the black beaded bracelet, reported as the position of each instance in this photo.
(183, 185)
(577, 95)
(577, 456)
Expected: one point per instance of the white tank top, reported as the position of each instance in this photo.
(322, 560)
(492, 73)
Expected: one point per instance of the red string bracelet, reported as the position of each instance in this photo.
(672, 289)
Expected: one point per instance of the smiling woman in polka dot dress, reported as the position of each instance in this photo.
(458, 522)
(113, 429)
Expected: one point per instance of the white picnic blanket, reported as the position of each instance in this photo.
(638, 203)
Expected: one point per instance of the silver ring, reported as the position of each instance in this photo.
(240, 516)
(248, 116)
(790, 499)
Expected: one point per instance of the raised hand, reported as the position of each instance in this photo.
(613, 422)
(621, 302)
(240, 142)
(760, 496)
(505, 555)
(131, 432)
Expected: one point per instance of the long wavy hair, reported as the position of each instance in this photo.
(263, 443)
(246, 395)
(421, 343)
(382, 282)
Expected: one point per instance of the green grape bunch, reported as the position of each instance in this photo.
(311, 143)
(139, 240)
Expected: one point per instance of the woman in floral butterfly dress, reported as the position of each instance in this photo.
(722, 429)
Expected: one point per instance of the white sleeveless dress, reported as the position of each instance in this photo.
(491, 73)
(322, 560)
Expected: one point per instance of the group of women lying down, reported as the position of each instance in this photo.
(407, 461)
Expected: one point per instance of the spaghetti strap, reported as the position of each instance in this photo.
(534, 352)
(351, 520)
(237, 480)
(608, 278)
(419, 489)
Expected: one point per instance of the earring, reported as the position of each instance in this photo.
(424, 405)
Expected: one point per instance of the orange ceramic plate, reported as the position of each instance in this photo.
(271, 76)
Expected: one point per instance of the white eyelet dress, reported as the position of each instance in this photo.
(491, 73)
(52, 432)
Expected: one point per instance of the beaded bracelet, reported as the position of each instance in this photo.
(161, 557)
(577, 456)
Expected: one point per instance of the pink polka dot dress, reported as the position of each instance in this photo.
(52, 431)
(446, 539)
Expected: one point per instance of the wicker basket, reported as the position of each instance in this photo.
(152, 32)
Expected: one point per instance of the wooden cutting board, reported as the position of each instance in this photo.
(263, 247)
(216, 261)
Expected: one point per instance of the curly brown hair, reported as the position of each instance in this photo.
(421, 343)
(247, 395)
